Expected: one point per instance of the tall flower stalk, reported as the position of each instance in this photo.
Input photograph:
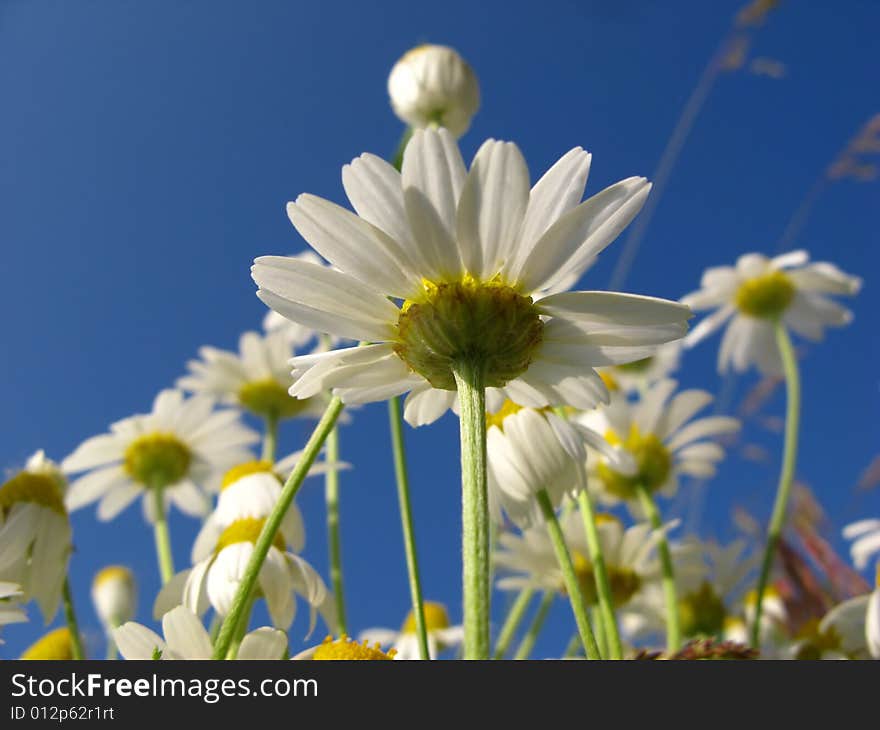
(162, 536)
(524, 650)
(331, 497)
(514, 618)
(76, 645)
(786, 477)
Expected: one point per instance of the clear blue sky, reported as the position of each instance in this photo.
(148, 150)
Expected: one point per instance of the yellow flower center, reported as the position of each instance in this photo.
(624, 582)
(766, 296)
(270, 399)
(246, 469)
(113, 573)
(702, 612)
(157, 459)
(344, 648)
(247, 529)
(436, 617)
(816, 642)
(40, 489)
(653, 463)
(56, 645)
(508, 408)
(488, 323)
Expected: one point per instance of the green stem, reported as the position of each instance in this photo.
(331, 497)
(601, 634)
(111, 647)
(242, 628)
(673, 620)
(469, 379)
(600, 571)
(511, 623)
(76, 644)
(524, 650)
(162, 536)
(270, 439)
(786, 476)
(273, 523)
(569, 577)
(573, 647)
(409, 541)
(397, 159)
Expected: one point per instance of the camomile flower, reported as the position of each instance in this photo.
(224, 546)
(256, 378)
(114, 595)
(174, 448)
(186, 638)
(865, 535)
(35, 534)
(660, 437)
(441, 266)
(840, 634)
(528, 559)
(57, 645)
(634, 377)
(441, 634)
(758, 291)
(434, 86)
(346, 649)
(11, 611)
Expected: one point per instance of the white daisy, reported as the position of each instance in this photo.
(473, 260)
(257, 378)
(757, 292)
(224, 546)
(11, 611)
(634, 377)
(175, 447)
(865, 535)
(840, 634)
(35, 534)
(186, 638)
(434, 86)
(662, 440)
(440, 634)
(114, 595)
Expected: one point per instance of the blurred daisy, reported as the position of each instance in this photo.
(434, 86)
(114, 595)
(53, 646)
(660, 437)
(223, 548)
(405, 643)
(634, 377)
(840, 634)
(35, 534)
(175, 447)
(865, 535)
(11, 611)
(186, 638)
(440, 264)
(256, 378)
(757, 292)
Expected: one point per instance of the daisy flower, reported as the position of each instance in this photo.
(759, 291)
(840, 634)
(186, 638)
(10, 604)
(405, 643)
(434, 86)
(224, 545)
(114, 595)
(256, 378)
(660, 437)
(172, 449)
(441, 266)
(57, 645)
(35, 534)
(865, 535)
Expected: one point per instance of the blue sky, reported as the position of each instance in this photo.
(149, 149)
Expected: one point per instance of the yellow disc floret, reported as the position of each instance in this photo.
(436, 617)
(344, 648)
(269, 398)
(246, 469)
(766, 296)
(702, 612)
(624, 582)
(247, 529)
(56, 645)
(157, 459)
(653, 464)
(39, 489)
(488, 323)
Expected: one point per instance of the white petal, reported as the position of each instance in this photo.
(426, 404)
(93, 486)
(137, 642)
(703, 428)
(263, 643)
(185, 634)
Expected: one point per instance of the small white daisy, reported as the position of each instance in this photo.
(840, 634)
(175, 448)
(186, 638)
(35, 534)
(114, 595)
(433, 85)
(441, 634)
(662, 440)
(441, 265)
(865, 535)
(635, 377)
(757, 292)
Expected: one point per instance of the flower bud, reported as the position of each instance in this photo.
(114, 595)
(433, 85)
